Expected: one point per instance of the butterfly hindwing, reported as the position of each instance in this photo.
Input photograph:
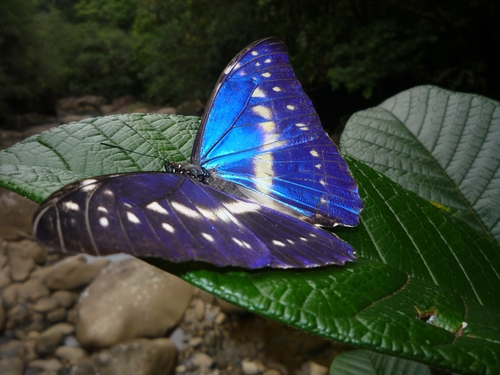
(261, 131)
(172, 217)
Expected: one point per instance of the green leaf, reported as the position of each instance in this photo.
(425, 286)
(45, 162)
(439, 144)
(364, 362)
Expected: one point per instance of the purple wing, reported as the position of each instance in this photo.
(169, 216)
(261, 132)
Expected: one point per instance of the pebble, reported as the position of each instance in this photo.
(3, 316)
(70, 354)
(28, 249)
(57, 315)
(20, 268)
(73, 272)
(272, 372)
(199, 309)
(45, 305)
(5, 276)
(65, 298)
(9, 295)
(32, 290)
(141, 294)
(46, 364)
(202, 360)
(252, 367)
(11, 366)
(195, 342)
(312, 368)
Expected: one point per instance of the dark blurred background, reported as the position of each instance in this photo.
(348, 54)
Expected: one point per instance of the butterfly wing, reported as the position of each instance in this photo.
(172, 217)
(261, 132)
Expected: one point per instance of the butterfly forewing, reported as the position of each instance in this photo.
(172, 217)
(261, 131)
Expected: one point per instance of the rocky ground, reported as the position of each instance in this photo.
(72, 315)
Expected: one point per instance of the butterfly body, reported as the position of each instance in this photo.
(263, 175)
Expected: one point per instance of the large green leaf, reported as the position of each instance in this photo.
(443, 145)
(425, 287)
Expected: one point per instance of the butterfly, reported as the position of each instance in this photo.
(263, 177)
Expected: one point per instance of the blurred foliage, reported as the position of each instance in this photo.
(174, 50)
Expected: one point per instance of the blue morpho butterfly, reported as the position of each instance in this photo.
(263, 176)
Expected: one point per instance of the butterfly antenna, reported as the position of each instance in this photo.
(140, 135)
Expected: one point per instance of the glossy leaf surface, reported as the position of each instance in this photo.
(440, 144)
(416, 262)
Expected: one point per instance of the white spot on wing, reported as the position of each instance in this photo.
(102, 209)
(266, 74)
(258, 93)
(207, 237)
(314, 153)
(254, 53)
(156, 207)
(179, 207)
(263, 171)
(71, 206)
(322, 182)
(278, 243)
(88, 184)
(318, 166)
(241, 243)
(104, 221)
(276, 88)
(109, 193)
(132, 218)
(262, 111)
(290, 107)
(267, 61)
(168, 227)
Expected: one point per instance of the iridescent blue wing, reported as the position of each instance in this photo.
(261, 132)
(172, 217)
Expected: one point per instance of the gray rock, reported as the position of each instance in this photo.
(312, 368)
(32, 290)
(28, 249)
(38, 323)
(72, 273)
(9, 295)
(70, 354)
(13, 348)
(130, 299)
(137, 357)
(18, 315)
(252, 367)
(45, 305)
(17, 213)
(65, 298)
(3, 259)
(202, 361)
(57, 315)
(5, 277)
(3, 316)
(11, 366)
(50, 339)
(51, 364)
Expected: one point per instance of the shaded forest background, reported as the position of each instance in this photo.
(348, 54)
